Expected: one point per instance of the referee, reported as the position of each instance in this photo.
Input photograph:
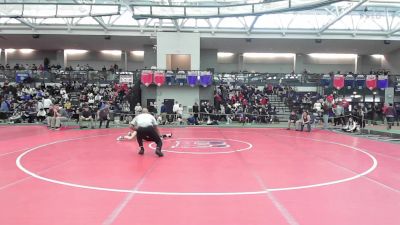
(146, 126)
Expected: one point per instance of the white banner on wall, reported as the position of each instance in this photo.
(126, 78)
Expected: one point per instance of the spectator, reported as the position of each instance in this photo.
(41, 115)
(163, 112)
(5, 106)
(138, 109)
(47, 103)
(104, 114)
(175, 109)
(305, 120)
(179, 112)
(59, 115)
(397, 113)
(292, 119)
(351, 125)
(390, 114)
(86, 116)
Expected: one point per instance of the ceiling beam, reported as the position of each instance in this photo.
(347, 11)
(178, 28)
(252, 25)
(393, 32)
(101, 23)
(23, 21)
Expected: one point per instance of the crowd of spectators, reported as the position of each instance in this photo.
(52, 104)
(338, 111)
(244, 104)
(41, 67)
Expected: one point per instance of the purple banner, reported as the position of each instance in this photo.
(192, 79)
(383, 82)
(205, 79)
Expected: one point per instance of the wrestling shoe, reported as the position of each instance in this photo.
(159, 153)
(141, 151)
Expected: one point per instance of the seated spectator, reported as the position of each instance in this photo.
(86, 116)
(305, 120)
(50, 114)
(192, 120)
(351, 126)
(41, 115)
(29, 114)
(75, 115)
(59, 115)
(5, 109)
(292, 119)
(16, 117)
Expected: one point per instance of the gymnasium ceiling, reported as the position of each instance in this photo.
(271, 19)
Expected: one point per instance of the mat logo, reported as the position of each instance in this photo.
(200, 144)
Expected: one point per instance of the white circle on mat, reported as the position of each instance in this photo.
(264, 191)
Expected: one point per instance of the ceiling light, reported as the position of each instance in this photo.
(26, 50)
(268, 55)
(112, 52)
(225, 54)
(138, 53)
(332, 56)
(10, 50)
(378, 56)
(75, 51)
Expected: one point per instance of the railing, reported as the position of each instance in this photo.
(258, 79)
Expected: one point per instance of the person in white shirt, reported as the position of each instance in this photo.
(47, 103)
(138, 109)
(179, 112)
(97, 98)
(146, 127)
(175, 109)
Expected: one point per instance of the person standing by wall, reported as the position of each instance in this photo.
(104, 114)
(390, 114)
(196, 111)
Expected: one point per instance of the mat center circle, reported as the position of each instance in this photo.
(203, 146)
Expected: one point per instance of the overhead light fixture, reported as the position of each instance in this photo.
(138, 53)
(75, 51)
(225, 54)
(378, 56)
(332, 56)
(10, 50)
(268, 55)
(26, 50)
(112, 52)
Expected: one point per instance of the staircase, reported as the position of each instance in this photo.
(282, 111)
(74, 98)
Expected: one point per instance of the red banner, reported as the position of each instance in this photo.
(371, 82)
(146, 77)
(159, 78)
(338, 81)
